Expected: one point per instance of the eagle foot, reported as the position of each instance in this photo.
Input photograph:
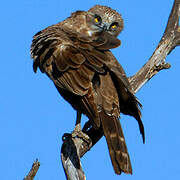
(78, 133)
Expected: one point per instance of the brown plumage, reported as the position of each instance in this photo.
(76, 56)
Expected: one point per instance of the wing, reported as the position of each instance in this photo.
(129, 104)
(55, 54)
(71, 60)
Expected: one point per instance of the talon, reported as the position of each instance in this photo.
(78, 133)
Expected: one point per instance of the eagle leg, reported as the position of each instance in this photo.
(77, 132)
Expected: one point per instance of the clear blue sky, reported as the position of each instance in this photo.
(33, 116)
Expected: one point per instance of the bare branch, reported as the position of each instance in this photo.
(71, 159)
(33, 170)
(169, 40)
(156, 63)
(173, 21)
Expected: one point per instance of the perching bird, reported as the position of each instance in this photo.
(75, 54)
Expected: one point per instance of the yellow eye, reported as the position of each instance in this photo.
(114, 26)
(96, 20)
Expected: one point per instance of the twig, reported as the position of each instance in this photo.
(33, 170)
(170, 39)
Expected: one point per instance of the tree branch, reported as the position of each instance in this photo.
(74, 148)
(169, 40)
(70, 157)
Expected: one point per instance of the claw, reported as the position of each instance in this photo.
(78, 133)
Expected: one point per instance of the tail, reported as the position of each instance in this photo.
(116, 144)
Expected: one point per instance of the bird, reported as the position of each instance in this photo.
(76, 55)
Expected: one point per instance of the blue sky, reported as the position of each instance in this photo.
(33, 116)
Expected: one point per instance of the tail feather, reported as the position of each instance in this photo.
(116, 144)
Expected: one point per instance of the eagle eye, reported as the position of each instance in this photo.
(97, 19)
(114, 25)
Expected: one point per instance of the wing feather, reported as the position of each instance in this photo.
(128, 101)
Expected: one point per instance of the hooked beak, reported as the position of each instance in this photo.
(104, 27)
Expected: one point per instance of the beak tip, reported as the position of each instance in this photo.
(104, 28)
